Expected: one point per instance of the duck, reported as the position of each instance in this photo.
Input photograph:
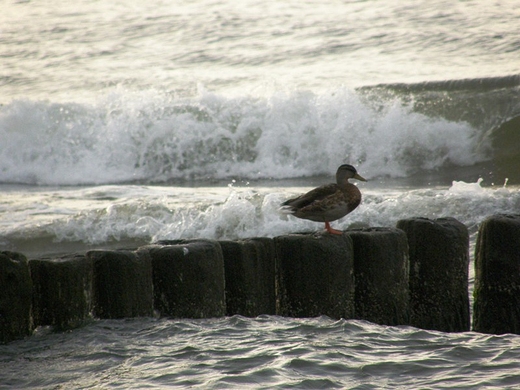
(328, 202)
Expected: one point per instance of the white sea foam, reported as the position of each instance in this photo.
(155, 137)
(460, 187)
(120, 213)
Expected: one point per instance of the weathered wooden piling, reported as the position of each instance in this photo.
(381, 268)
(122, 284)
(497, 276)
(62, 291)
(439, 260)
(315, 275)
(15, 297)
(250, 276)
(188, 278)
(414, 274)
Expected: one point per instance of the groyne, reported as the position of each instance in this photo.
(413, 274)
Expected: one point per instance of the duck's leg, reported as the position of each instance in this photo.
(331, 230)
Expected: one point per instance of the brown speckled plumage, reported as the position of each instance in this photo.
(329, 202)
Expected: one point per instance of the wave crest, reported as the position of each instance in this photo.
(159, 137)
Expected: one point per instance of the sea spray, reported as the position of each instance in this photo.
(111, 214)
(162, 137)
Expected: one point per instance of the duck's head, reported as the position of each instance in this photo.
(347, 171)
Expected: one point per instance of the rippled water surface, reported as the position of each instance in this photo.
(261, 353)
(73, 49)
(127, 122)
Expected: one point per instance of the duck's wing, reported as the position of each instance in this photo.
(310, 197)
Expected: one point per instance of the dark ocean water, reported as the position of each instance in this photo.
(126, 122)
(259, 353)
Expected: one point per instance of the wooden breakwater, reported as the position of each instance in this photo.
(414, 274)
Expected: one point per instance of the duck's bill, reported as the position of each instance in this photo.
(359, 177)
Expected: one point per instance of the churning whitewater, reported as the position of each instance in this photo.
(124, 123)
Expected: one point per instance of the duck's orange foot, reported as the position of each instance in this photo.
(331, 230)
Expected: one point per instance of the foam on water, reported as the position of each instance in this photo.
(157, 136)
(110, 214)
(257, 119)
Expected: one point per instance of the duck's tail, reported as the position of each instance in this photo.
(285, 209)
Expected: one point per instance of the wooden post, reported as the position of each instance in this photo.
(497, 276)
(439, 260)
(315, 275)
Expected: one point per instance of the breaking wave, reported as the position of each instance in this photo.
(154, 137)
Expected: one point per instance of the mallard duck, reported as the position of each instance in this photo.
(328, 202)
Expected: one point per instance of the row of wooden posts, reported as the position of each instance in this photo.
(414, 274)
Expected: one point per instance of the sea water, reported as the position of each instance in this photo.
(123, 123)
(260, 353)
